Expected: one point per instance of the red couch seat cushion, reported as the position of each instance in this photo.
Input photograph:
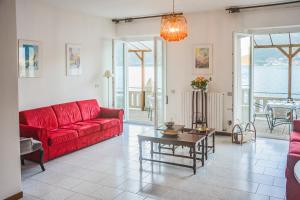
(59, 136)
(295, 136)
(41, 117)
(89, 109)
(83, 128)
(294, 147)
(67, 113)
(106, 123)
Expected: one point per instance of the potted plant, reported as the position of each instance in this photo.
(200, 83)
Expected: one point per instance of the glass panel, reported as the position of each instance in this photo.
(294, 49)
(295, 37)
(295, 78)
(242, 74)
(140, 79)
(262, 40)
(270, 76)
(160, 83)
(119, 74)
(279, 39)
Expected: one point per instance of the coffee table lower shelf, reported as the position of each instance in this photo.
(192, 154)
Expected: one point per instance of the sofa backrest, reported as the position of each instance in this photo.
(90, 109)
(67, 113)
(40, 117)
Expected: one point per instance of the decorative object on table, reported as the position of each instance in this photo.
(169, 125)
(202, 59)
(108, 74)
(200, 83)
(28, 146)
(73, 61)
(173, 27)
(199, 109)
(170, 132)
(243, 132)
(29, 53)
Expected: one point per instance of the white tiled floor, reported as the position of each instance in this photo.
(110, 170)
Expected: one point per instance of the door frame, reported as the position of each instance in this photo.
(125, 76)
(250, 97)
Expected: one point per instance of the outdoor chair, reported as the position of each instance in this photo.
(281, 116)
(261, 111)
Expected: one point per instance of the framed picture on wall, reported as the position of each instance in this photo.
(202, 59)
(73, 60)
(29, 55)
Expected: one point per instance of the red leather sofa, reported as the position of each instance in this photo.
(292, 186)
(67, 127)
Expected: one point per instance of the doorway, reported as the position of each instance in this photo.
(266, 87)
(139, 80)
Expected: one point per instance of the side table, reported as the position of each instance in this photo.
(28, 146)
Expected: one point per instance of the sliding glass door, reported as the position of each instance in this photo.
(159, 84)
(242, 86)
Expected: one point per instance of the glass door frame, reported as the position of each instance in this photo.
(125, 77)
(251, 83)
(164, 80)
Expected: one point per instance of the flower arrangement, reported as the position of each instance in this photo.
(200, 82)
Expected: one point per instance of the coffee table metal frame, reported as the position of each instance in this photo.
(193, 145)
(210, 133)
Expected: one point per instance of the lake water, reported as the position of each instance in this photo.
(269, 81)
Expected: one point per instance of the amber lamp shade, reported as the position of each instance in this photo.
(173, 28)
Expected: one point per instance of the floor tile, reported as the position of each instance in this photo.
(110, 170)
(272, 191)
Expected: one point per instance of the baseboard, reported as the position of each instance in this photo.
(17, 196)
(223, 133)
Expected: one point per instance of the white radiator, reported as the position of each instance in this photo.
(215, 110)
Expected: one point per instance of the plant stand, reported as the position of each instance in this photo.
(199, 108)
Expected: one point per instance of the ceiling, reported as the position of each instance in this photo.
(130, 8)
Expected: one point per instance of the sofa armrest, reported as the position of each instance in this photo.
(296, 125)
(111, 113)
(35, 133)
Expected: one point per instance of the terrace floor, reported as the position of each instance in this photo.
(138, 115)
(279, 132)
(110, 170)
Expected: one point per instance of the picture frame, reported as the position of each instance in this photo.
(29, 58)
(73, 60)
(203, 59)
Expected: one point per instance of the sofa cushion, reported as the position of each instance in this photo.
(106, 123)
(89, 109)
(83, 128)
(294, 147)
(295, 136)
(40, 117)
(59, 136)
(67, 113)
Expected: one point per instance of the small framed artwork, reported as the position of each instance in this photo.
(29, 55)
(202, 63)
(73, 60)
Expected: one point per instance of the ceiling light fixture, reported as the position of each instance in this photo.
(173, 27)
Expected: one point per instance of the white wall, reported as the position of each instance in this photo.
(10, 173)
(214, 27)
(54, 27)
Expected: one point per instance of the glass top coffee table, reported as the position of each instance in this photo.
(192, 141)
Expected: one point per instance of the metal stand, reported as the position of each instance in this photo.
(199, 108)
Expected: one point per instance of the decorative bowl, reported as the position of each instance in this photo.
(169, 125)
(170, 133)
